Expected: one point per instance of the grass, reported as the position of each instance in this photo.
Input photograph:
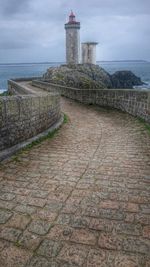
(145, 124)
(17, 244)
(41, 139)
(66, 118)
(50, 135)
(6, 93)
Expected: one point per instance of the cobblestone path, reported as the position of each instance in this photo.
(81, 198)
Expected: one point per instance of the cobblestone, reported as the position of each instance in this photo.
(25, 209)
(41, 262)
(29, 240)
(10, 234)
(6, 196)
(7, 205)
(39, 227)
(4, 216)
(19, 221)
(80, 199)
(73, 254)
(50, 248)
(14, 257)
(60, 232)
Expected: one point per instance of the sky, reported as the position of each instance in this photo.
(33, 30)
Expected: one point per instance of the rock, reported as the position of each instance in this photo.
(82, 76)
(125, 80)
(95, 73)
(88, 76)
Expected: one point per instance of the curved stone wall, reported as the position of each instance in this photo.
(135, 102)
(25, 116)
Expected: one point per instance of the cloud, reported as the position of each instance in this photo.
(34, 29)
(9, 8)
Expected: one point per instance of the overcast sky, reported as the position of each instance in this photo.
(33, 30)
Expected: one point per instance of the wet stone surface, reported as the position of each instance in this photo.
(80, 199)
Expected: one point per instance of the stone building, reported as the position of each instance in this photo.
(72, 40)
(89, 52)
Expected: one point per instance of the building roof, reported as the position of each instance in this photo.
(90, 43)
(72, 18)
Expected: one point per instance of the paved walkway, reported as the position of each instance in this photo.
(27, 85)
(81, 198)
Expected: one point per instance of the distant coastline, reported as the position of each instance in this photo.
(61, 62)
(31, 63)
(142, 61)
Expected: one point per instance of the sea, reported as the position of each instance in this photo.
(9, 71)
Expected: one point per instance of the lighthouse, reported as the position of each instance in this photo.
(89, 53)
(72, 28)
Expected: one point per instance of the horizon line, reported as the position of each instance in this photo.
(54, 62)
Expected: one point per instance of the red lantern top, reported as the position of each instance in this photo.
(72, 18)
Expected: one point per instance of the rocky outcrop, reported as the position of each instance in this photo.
(88, 76)
(125, 80)
(79, 76)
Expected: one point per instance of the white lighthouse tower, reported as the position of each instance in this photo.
(72, 40)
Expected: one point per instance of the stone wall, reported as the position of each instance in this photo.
(135, 102)
(25, 116)
(14, 88)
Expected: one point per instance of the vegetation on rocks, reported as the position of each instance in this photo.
(5, 93)
(88, 76)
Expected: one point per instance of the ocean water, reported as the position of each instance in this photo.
(139, 68)
(8, 71)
